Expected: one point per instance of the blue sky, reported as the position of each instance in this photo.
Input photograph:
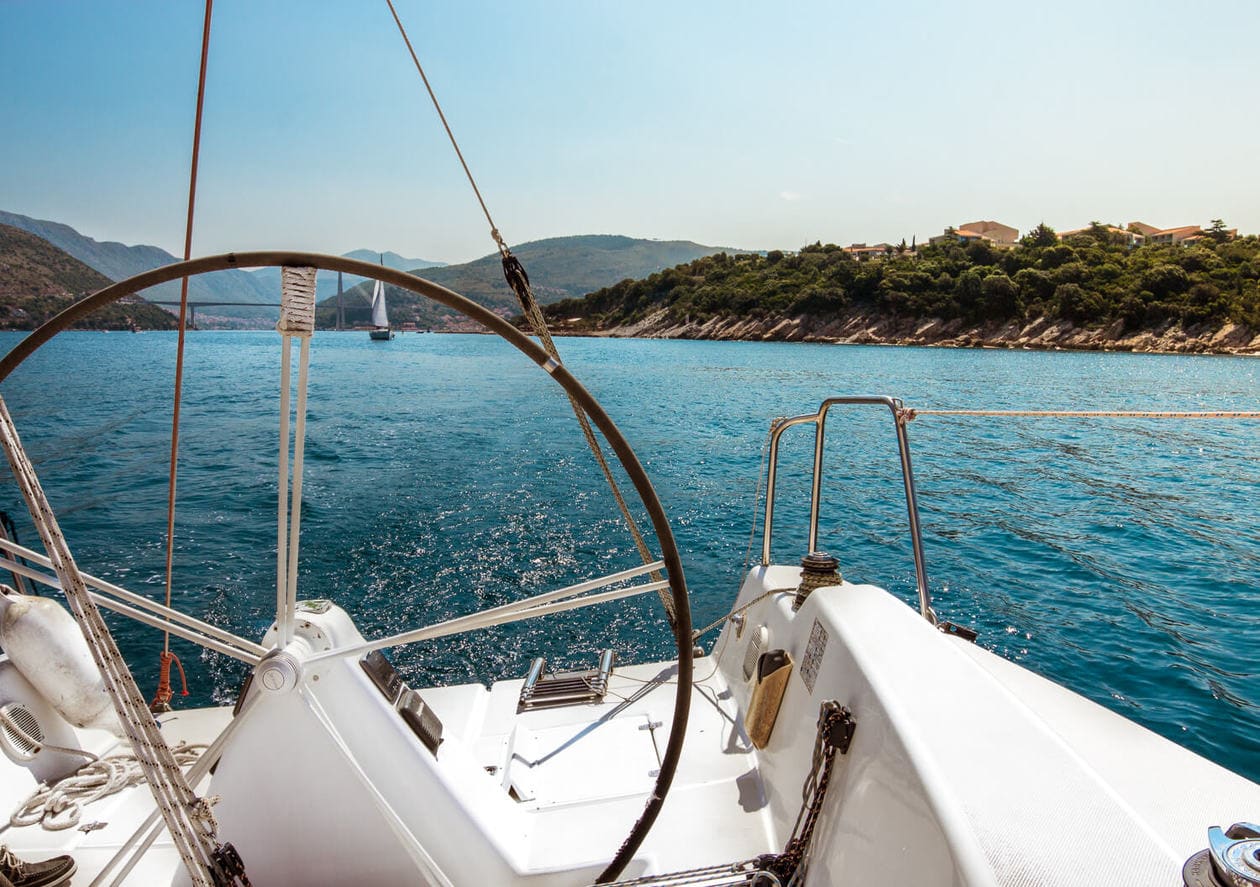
(729, 123)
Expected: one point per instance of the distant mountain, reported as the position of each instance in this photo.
(118, 262)
(392, 260)
(559, 268)
(326, 281)
(37, 280)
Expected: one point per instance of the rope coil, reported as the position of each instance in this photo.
(60, 806)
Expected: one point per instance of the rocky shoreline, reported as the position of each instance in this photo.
(863, 329)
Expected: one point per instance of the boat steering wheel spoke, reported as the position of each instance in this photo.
(572, 597)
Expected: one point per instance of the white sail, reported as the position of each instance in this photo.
(379, 316)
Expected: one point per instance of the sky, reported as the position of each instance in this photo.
(754, 126)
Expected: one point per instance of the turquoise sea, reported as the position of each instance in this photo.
(444, 473)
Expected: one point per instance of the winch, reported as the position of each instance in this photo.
(1232, 858)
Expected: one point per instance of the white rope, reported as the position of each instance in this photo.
(696, 635)
(295, 518)
(297, 302)
(430, 872)
(529, 608)
(282, 507)
(188, 818)
(60, 806)
(297, 318)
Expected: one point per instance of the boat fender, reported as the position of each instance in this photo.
(45, 644)
(773, 669)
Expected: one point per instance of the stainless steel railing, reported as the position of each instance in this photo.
(819, 421)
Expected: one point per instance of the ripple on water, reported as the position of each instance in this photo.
(1119, 557)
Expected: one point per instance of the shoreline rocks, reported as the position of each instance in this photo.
(1042, 334)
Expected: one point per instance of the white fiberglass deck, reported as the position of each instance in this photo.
(587, 769)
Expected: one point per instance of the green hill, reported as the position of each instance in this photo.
(559, 268)
(1089, 279)
(37, 280)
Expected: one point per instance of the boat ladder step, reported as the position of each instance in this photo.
(727, 874)
(543, 690)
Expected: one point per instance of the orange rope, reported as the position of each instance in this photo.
(162, 698)
(179, 354)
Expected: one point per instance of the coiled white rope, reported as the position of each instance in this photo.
(60, 806)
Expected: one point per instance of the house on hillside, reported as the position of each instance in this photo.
(864, 253)
(1186, 235)
(1142, 228)
(993, 233)
(999, 234)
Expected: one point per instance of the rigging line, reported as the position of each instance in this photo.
(183, 324)
(518, 281)
(494, 231)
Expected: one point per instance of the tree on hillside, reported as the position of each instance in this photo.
(1217, 231)
(1042, 235)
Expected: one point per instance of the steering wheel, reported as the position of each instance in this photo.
(669, 562)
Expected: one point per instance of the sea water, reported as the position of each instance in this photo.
(445, 474)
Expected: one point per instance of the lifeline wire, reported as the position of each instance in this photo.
(912, 414)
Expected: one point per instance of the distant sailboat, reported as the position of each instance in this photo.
(380, 331)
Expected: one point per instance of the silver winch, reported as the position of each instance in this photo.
(1231, 860)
